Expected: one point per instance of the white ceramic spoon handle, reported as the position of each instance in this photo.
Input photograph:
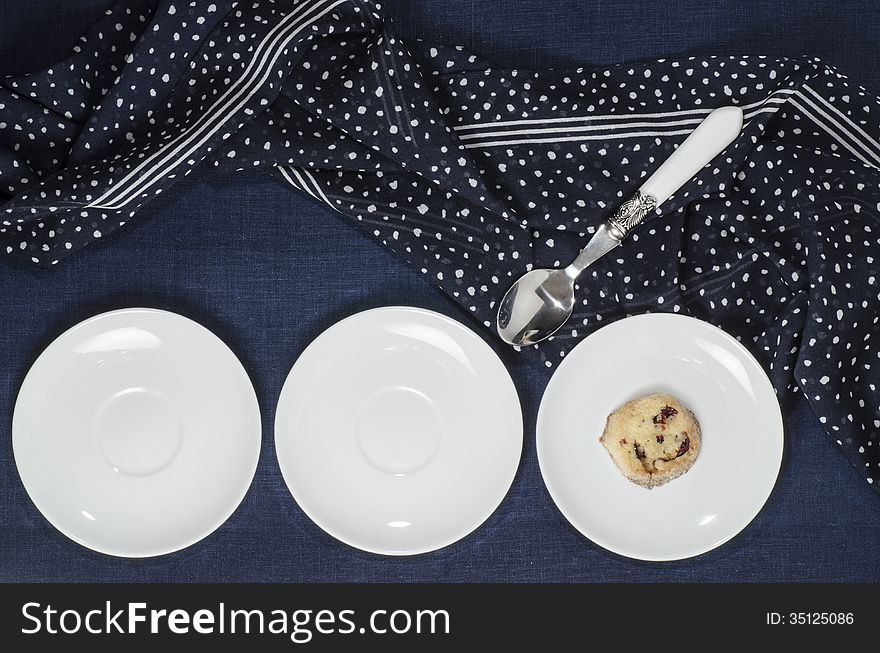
(718, 130)
(708, 140)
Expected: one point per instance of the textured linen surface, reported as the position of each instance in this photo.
(213, 262)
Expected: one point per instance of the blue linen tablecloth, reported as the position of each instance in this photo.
(238, 253)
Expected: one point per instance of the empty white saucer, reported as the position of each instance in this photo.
(741, 436)
(398, 431)
(136, 432)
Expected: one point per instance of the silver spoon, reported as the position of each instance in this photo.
(541, 301)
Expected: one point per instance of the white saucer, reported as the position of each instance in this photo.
(739, 416)
(398, 431)
(136, 432)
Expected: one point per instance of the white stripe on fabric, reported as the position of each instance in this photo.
(316, 185)
(139, 187)
(831, 132)
(622, 117)
(301, 183)
(258, 53)
(843, 116)
(314, 190)
(614, 135)
(589, 128)
(287, 176)
(854, 141)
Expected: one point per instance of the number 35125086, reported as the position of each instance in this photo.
(810, 618)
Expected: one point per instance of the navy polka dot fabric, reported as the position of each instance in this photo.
(474, 174)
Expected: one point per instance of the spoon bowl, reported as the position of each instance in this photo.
(536, 306)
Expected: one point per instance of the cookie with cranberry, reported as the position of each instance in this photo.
(652, 439)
